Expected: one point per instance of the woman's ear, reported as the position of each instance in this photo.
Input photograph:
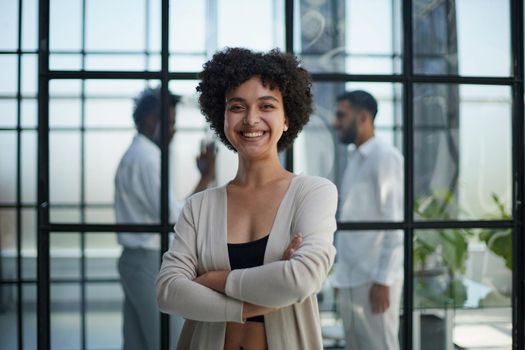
(285, 129)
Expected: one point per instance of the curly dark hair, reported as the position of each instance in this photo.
(233, 66)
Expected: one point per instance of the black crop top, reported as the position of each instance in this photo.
(245, 255)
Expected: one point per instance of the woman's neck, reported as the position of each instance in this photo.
(259, 172)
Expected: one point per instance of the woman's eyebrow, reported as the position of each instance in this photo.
(235, 99)
(240, 99)
(268, 98)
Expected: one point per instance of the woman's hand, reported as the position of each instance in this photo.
(215, 280)
(293, 246)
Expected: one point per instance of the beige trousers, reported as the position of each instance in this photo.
(365, 330)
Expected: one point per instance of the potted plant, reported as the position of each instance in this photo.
(440, 255)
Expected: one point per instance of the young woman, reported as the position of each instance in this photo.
(249, 257)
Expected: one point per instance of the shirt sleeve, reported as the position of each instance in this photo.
(282, 283)
(149, 185)
(176, 291)
(390, 184)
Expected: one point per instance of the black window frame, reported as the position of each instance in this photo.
(407, 78)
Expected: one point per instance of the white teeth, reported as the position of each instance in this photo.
(253, 134)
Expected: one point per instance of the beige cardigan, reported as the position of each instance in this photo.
(200, 245)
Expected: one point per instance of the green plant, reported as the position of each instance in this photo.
(441, 285)
(449, 245)
(497, 240)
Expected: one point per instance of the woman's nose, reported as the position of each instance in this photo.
(252, 117)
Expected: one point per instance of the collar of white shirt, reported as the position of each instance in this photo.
(146, 143)
(366, 148)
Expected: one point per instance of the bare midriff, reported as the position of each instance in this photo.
(247, 336)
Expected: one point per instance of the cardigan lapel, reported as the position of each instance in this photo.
(278, 241)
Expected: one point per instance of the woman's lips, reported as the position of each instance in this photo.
(252, 134)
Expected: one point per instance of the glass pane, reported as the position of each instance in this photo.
(102, 253)
(123, 30)
(64, 167)
(225, 164)
(8, 111)
(104, 34)
(192, 130)
(104, 316)
(320, 150)
(29, 165)
(186, 62)
(64, 88)
(64, 251)
(335, 36)
(8, 71)
(30, 25)
(65, 62)
(29, 113)
(29, 253)
(154, 25)
(65, 316)
(188, 47)
(64, 112)
(369, 264)
(8, 316)
(9, 20)
(188, 110)
(8, 159)
(463, 287)
(184, 15)
(89, 163)
(184, 174)
(115, 62)
(29, 75)
(117, 88)
(154, 63)
(317, 148)
(65, 213)
(104, 151)
(462, 152)
(100, 213)
(109, 112)
(65, 32)
(260, 32)
(446, 37)
(29, 316)
(8, 240)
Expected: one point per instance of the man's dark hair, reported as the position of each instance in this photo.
(148, 102)
(360, 99)
(231, 67)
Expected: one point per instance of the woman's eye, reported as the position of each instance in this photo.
(267, 107)
(235, 108)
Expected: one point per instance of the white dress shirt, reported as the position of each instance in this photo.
(137, 193)
(371, 190)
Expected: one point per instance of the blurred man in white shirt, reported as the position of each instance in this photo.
(137, 201)
(369, 266)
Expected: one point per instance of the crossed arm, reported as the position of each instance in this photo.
(220, 296)
(216, 280)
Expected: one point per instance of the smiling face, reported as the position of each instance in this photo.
(254, 118)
